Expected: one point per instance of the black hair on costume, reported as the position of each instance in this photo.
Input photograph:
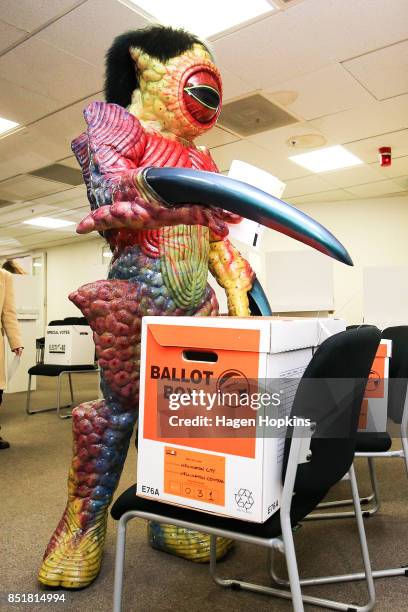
(161, 42)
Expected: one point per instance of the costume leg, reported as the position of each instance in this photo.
(102, 431)
(186, 543)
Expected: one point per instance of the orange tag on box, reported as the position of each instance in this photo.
(194, 475)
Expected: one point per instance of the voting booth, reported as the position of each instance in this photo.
(69, 345)
(220, 454)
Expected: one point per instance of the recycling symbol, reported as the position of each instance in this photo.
(244, 499)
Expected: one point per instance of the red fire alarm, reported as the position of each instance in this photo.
(385, 156)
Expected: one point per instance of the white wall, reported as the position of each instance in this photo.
(68, 267)
(374, 231)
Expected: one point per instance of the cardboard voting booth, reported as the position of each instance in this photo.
(214, 455)
(69, 345)
(374, 409)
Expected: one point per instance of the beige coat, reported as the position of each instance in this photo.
(9, 323)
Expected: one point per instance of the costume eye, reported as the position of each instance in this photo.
(202, 95)
(205, 95)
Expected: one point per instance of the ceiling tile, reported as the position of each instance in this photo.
(357, 175)
(367, 149)
(71, 198)
(268, 61)
(87, 33)
(402, 182)
(258, 156)
(216, 138)
(305, 185)
(279, 140)
(60, 174)
(399, 167)
(375, 189)
(341, 30)
(24, 106)
(243, 150)
(383, 72)
(9, 35)
(39, 242)
(11, 217)
(233, 86)
(29, 15)
(278, 148)
(43, 142)
(324, 92)
(366, 120)
(8, 167)
(309, 36)
(25, 187)
(21, 231)
(45, 70)
(71, 162)
(45, 238)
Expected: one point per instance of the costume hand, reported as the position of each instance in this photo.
(18, 351)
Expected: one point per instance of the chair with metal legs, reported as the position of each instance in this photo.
(42, 369)
(59, 371)
(304, 483)
(374, 445)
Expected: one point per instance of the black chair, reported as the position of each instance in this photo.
(372, 445)
(346, 356)
(59, 371)
(366, 441)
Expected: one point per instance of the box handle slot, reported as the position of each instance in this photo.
(206, 356)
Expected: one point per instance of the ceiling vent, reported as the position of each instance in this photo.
(60, 174)
(254, 114)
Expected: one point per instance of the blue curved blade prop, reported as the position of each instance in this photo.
(258, 302)
(187, 186)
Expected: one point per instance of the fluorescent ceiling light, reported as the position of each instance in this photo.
(48, 222)
(8, 241)
(329, 158)
(6, 125)
(206, 18)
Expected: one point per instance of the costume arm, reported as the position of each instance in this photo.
(233, 273)
(111, 153)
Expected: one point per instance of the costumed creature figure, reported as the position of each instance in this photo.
(156, 199)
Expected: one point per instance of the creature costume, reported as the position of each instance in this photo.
(166, 230)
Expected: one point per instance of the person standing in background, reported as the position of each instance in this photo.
(9, 326)
(11, 265)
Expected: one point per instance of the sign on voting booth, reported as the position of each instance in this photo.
(209, 454)
(69, 345)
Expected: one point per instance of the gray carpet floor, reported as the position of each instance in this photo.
(33, 488)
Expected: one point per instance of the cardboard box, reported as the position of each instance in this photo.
(69, 345)
(213, 465)
(374, 409)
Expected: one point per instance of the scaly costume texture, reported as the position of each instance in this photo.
(162, 90)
